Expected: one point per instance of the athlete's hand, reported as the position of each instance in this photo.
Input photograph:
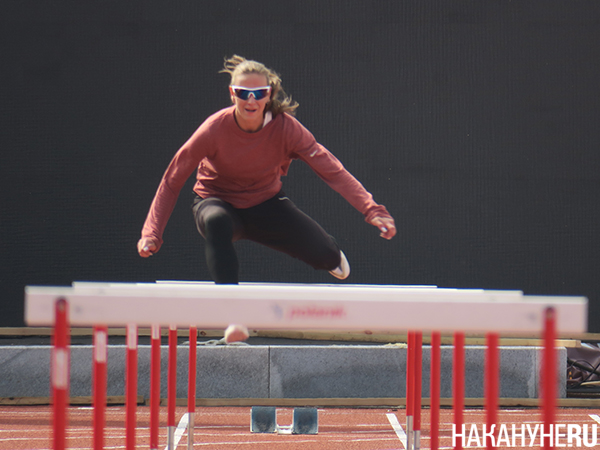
(386, 226)
(146, 247)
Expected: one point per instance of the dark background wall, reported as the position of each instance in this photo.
(475, 123)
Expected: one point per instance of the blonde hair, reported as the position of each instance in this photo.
(280, 102)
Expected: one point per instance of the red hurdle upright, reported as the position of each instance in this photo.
(172, 387)
(418, 359)
(60, 373)
(458, 381)
(548, 376)
(492, 383)
(99, 383)
(154, 386)
(434, 389)
(192, 386)
(131, 386)
(410, 389)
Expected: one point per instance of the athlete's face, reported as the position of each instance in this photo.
(250, 113)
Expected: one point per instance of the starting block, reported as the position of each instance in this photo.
(264, 420)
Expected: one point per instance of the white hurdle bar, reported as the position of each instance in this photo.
(292, 307)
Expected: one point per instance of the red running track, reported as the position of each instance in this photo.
(29, 428)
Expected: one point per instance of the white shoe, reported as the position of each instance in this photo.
(343, 270)
(236, 333)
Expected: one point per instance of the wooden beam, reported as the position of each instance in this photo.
(82, 400)
(383, 402)
(471, 339)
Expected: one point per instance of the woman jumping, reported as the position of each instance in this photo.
(240, 154)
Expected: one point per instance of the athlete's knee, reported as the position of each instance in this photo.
(218, 226)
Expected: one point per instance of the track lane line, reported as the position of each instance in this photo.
(397, 428)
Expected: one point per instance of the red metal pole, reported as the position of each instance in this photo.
(131, 387)
(436, 358)
(192, 386)
(99, 375)
(60, 367)
(492, 383)
(418, 388)
(410, 390)
(459, 385)
(154, 386)
(548, 376)
(172, 387)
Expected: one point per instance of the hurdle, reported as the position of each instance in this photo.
(298, 307)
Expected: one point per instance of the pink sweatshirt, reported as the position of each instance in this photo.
(245, 169)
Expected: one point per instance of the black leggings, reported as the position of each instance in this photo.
(276, 223)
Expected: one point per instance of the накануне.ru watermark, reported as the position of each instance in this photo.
(527, 435)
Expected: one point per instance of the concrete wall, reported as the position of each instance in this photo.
(280, 371)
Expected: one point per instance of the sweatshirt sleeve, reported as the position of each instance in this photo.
(183, 164)
(332, 171)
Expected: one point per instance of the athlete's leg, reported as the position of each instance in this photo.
(220, 226)
(279, 224)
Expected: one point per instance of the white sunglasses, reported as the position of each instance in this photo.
(244, 93)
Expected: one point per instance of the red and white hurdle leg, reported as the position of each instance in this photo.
(434, 389)
(154, 386)
(172, 387)
(192, 387)
(60, 373)
(410, 390)
(492, 384)
(548, 376)
(418, 386)
(99, 386)
(131, 386)
(458, 379)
